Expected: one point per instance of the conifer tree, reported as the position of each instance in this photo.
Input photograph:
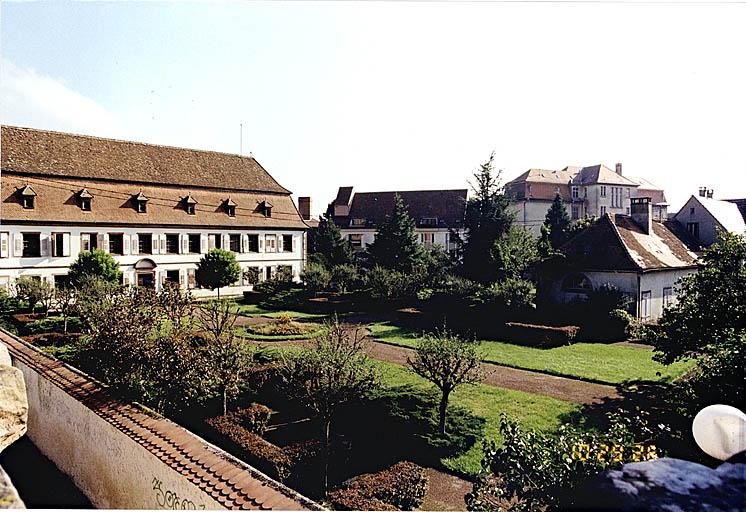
(557, 222)
(396, 246)
(329, 248)
(487, 220)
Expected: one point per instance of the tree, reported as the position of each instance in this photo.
(94, 263)
(343, 277)
(557, 222)
(64, 302)
(515, 252)
(330, 372)
(447, 361)
(227, 358)
(487, 220)
(710, 307)
(316, 277)
(216, 269)
(396, 246)
(329, 248)
(33, 291)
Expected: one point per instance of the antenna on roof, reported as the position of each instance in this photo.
(240, 143)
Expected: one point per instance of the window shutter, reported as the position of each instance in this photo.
(294, 243)
(162, 277)
(226, 242)
(162, 238)
(135, 244)
(191, 278)
(102, 242)
(261, 243)
(244, 243)
(4, 245)
(125, 244)
(66, 244)
(52, 245)
(125, 278)
(184, 244)
(45, 243)
(211, 242)
(18, 245)
(183, 278)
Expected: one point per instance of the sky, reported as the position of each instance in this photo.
(395, 95)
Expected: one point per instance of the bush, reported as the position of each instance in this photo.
(316, 277)
(540, 335)
(53, 324)
(33, 291)
(258, 452)
(95, 263)
(254, 418)
(390, 284)
(343, 277)
(216, 269)
(509, 295)
(251, 275)
(8, 304)
(400, 487)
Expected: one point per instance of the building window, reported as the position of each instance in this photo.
(85, 204)
(61, 281)
(88, 241)
(645, 298)
(603, 211)
(270, 243)
(192, 278)
(268, 273)
(190, 209)
(429, 221)
(194, 244)
(575, 212)
(287, 243)
(230, 207)
(356, 241)
(116, 243)
(691, 211)
(28, 202)
(603, 190)
(667, 296)
(190, 205)
(693, 228)
(253, 243)
(31, 245)
(215, 241)
(577, 283)
(172, 243)
(144, 243)
(357, 222)
(172, 276)
(235, 243)
(427, 239)
(58, 245)
(575, 193)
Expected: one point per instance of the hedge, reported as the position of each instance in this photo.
(540, 335)
(400, 487)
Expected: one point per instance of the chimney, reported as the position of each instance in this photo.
(619, 169)
(702, 191)
(304, 206)
(642, 213)
(710, 193)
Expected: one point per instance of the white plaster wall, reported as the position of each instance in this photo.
(12, 267)
(110, 468)
(708, 226)
(654, 282)
(531, 214)
(441, 236)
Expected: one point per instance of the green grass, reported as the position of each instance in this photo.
(255, 310)
(598, 362)
(244, 333)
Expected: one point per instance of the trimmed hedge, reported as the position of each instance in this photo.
(400, 487)
(540, 335)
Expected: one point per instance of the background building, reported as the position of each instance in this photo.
(703, 216)
(438, 214)
(156, 209)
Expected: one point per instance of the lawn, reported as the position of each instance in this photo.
(487, 402)
(255, 310)
(599, 362)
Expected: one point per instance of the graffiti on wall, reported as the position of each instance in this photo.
(170, 500)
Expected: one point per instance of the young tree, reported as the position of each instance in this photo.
(448, 362)
(329, 373)
(487, 220)
(94, 263)
(216, 269)
(343, 277)
(329, 248)
(33, 291)
(64, 302)
(316, 277)
(226, 357)
(557, 222)
(515, 252)
(396, 246)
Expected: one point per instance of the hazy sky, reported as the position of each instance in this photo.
(394, 95)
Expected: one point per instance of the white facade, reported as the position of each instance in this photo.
(172, 256)
(361, 238)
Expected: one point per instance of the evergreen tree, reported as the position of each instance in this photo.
(396, 246)
(557, 222)
(329, 248)
(487, 220)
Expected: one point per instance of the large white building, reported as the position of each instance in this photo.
(438, 214)
(156, 209)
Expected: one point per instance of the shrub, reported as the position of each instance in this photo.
(8, 304)
(316, 277)
(33, 291)
(390, 284)
(511, 294)
(53, 324)
(254, 418)
(541, 335)
(343, 277)
(400, 487)
(282, 326)
(251, 275)
(95, 263)
(284, 274)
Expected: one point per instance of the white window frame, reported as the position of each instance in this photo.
(646, 299)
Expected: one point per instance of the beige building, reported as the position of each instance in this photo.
(156, 209)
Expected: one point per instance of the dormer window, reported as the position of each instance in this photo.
(230, 207)
(357, 222)
(266, 208)
(28, 197)
(141, 203)
(84, 200)
(429, 221)
(190, 205)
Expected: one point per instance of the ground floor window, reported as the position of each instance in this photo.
(355, 240)
(667, 297)
(61, 281)
(287, 243)
(645, 299)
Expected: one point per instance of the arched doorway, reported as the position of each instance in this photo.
(145, 271)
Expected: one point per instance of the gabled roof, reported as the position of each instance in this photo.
(343, 196)
(27, 191)
(617, 243)
(725, 213)
(648, 189)
(561, 177)
(41, 152)
(189, 199)
(84, 194)
(741, 204)
(600, 174)
(140, 196)
(448, 206)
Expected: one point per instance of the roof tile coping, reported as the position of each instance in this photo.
(155, 431)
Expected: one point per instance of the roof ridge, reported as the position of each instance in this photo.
(428, 190)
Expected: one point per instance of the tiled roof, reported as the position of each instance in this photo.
(50, 153)
(600, 174)
(561, 177)
(112, 203)
(223, 477)
(447, 206)
(343, 195)
(648, 189)
(618, 243)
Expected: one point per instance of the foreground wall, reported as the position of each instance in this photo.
(121, 456)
